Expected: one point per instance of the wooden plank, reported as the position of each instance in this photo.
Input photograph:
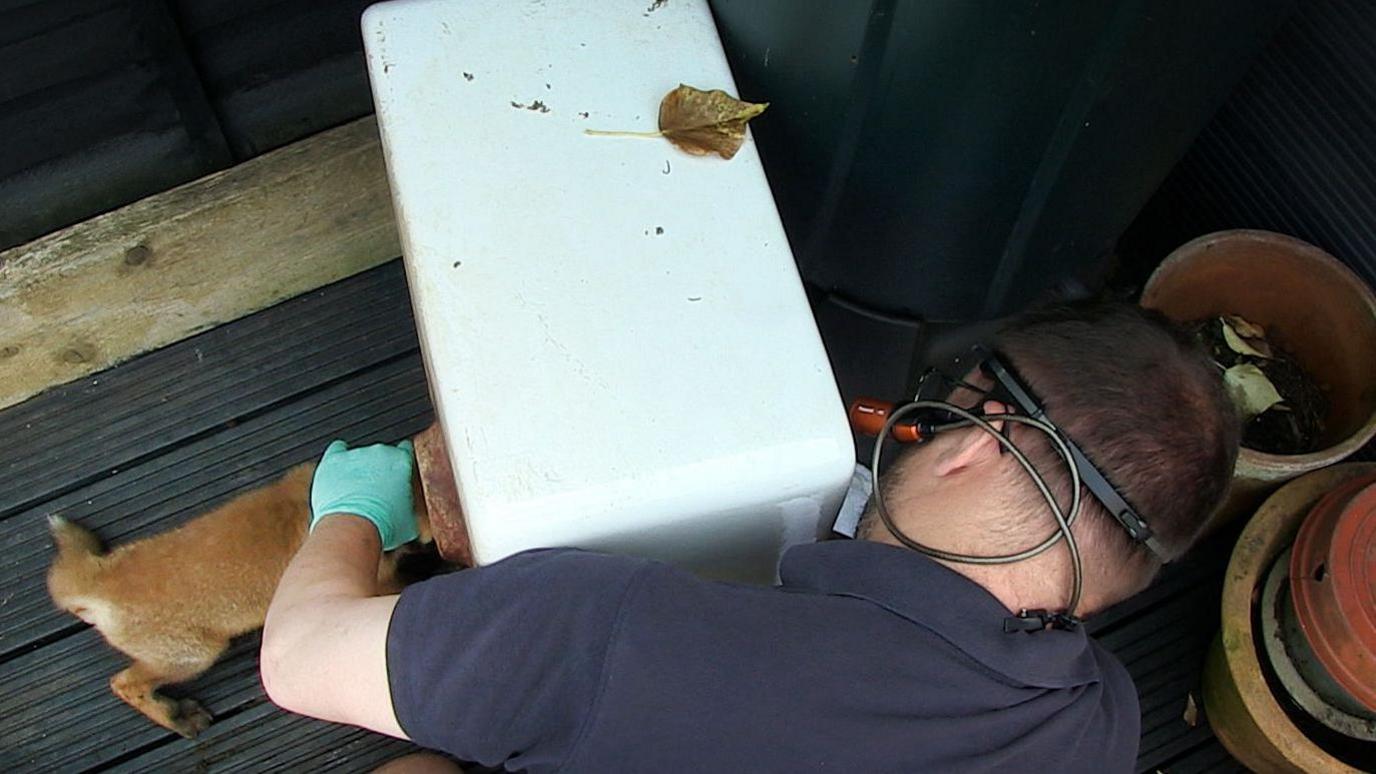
(88, 429)
(156, 271)
(264, 738)
(61, 716)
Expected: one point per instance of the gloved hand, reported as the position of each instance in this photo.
(373, 482)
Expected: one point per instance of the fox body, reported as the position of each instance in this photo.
(173, 602)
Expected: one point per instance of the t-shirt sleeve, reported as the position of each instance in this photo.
(1120, 718)
(504, 663)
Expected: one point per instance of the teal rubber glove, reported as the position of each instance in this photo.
(373, 482)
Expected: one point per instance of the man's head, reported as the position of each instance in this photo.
(1139, 399)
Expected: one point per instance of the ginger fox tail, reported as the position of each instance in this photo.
(71, 577)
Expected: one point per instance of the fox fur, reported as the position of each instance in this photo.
(172, 602)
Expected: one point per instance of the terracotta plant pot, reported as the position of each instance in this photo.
(1243, 712)
(1333, 584)
(1312, 306)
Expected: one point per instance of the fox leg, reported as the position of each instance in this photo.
(138, 684)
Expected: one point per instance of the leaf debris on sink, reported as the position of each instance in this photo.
(699, 122)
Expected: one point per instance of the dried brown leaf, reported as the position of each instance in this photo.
(1252, 391)
(1244, 327)
(699, 122)
(1245, 338)
(702, 122)
(1191, 713)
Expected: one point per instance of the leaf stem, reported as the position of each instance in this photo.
(602, 133)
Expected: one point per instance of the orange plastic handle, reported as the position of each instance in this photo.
(868, 415)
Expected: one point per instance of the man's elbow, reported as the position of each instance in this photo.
(278, 664)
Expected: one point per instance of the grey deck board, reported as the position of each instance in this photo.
(262, 738)
(77, 433)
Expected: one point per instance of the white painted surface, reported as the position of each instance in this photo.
(600, 383)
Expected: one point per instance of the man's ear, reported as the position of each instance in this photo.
(976, 446)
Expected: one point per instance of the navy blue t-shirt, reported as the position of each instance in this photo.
(867, 658)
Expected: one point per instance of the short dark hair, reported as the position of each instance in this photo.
(1146, 405)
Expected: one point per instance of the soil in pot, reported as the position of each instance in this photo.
(1282, 407)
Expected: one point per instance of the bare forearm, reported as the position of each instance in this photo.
(323, 612)
(338, 560)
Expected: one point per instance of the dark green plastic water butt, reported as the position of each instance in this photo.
(955, 159)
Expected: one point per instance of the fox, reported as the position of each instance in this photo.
(173, 601)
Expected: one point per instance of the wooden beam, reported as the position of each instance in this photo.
(94, 294)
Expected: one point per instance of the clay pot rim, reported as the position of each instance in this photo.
(1269, 532)
(1306, 251)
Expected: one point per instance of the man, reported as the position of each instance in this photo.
(870, 657)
